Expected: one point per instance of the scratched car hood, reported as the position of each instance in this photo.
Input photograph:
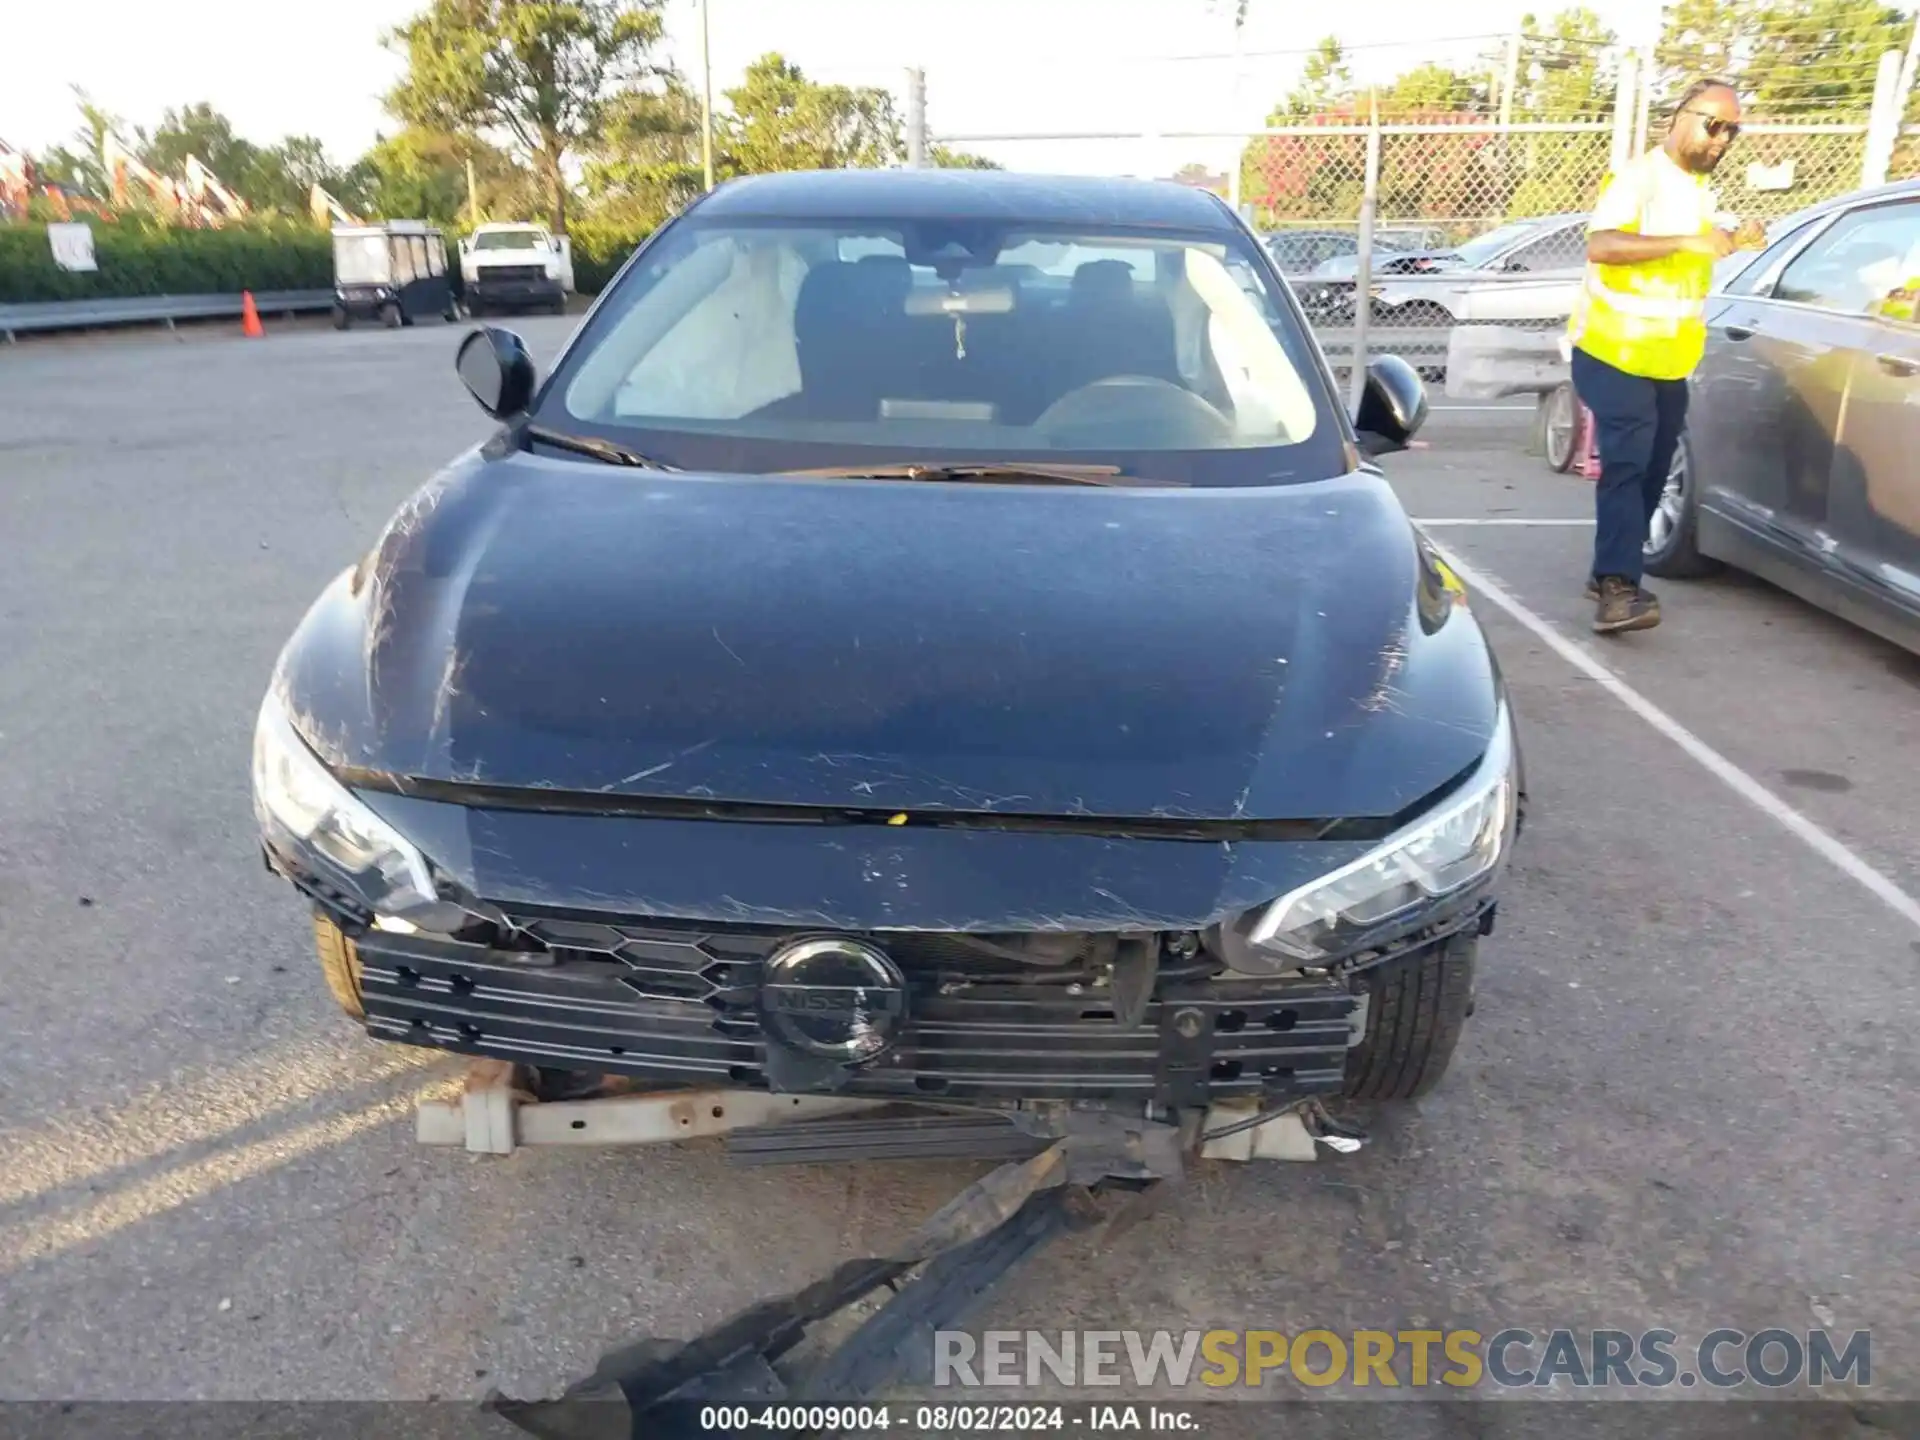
(1034, 650)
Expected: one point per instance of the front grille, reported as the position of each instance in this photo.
(681, 1003)
(517, 274)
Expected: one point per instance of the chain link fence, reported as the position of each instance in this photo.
(1486, 167)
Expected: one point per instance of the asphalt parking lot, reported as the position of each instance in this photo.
(1685, 1100)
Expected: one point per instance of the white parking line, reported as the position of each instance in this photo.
(1716, 764)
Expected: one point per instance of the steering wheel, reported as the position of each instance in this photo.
(1118, 410)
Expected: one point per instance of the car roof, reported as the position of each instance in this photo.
(937, 194)
(1892, 190)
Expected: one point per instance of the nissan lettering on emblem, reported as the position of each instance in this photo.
(836, 999)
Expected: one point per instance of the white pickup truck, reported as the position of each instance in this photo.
(516, 266)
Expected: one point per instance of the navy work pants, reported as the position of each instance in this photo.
(1637, 424)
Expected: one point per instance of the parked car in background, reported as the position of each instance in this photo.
(516, 267)
(1300, 252)
(1799, 462)
(1424, 287)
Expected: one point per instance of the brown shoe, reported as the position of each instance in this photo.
(1592, 592)
(1620, 606)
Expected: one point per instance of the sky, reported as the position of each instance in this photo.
(992, 66)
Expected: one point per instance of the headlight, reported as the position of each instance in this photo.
(294, 795)
(1462, 843)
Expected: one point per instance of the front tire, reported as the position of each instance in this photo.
(1417, 1006)
(1672, 550)
(340, 964)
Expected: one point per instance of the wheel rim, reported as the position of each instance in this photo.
(1665, 523)
(1560, 427)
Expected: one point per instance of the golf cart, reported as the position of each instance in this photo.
(395, 270)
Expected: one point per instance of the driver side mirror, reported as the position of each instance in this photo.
(497, 369)
(1393, 406)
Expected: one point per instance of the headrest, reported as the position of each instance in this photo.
(1103, 281)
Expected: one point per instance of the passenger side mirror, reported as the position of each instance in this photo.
(497, 369)
(1393, 406)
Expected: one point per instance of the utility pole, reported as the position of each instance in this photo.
(1508, 79)
(1883, 123)
(916, 118)
(706, 98)
(1240, 147)
(1903, 88)
(1363, 269)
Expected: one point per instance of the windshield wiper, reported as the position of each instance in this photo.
(1011, 472)
(604, 450)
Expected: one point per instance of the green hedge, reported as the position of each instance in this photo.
(138, 258)
(599, 250)
(142, 259)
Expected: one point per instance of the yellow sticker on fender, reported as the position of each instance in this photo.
(1451, 581)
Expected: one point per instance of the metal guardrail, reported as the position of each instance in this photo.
(147, 309)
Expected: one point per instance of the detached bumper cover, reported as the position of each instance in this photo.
(686, 1007)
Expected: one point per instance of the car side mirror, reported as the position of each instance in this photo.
(1393, 406)
(497, 369)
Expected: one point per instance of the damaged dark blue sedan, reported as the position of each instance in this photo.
(934, 635)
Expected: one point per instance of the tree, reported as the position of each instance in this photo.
(1325, 82)
(78, 167)
(1568, 71)
(647, 162)
(1789, 58)
(543, 72)
(783, 121)
(202, 131)
(1431, 90)
(420, 174)
(943, 158)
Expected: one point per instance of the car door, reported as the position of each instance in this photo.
(1873, 506)
(1779, 366)
(1739, 396)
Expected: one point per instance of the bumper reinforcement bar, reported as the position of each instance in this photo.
(1088, 1168)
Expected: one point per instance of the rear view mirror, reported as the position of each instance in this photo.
(1393, 406)
(987, 301)
(497, 369)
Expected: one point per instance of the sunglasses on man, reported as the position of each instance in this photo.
(1716, 127)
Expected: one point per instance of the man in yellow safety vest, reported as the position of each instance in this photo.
(1638, 330)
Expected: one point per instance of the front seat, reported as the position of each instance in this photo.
(1113, 329)
(849, 323)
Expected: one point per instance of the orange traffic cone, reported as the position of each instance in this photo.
(249, 317)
